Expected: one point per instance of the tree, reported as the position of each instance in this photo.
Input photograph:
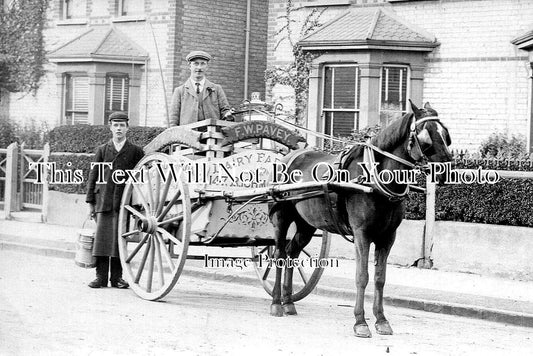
(22, 52)
(296, 73)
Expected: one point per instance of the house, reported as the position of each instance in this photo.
(471, 59)
(107, 55)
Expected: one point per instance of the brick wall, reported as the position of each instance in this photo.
(476, 79)
(221, 33)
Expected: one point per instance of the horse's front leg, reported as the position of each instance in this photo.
(281, 225)
(362, 246)
(381, 254)
(304, 233)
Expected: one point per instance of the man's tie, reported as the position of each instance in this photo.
(197, 88)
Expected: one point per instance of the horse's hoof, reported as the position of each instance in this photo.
(276, 310)
(383, 328)
(362, 330)
(289, 309)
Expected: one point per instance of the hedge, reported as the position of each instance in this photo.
(77, 144)
(85, 138)
(508, 202)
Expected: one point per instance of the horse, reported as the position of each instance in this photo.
(412, 140)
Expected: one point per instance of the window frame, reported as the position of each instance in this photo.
(407, 88)
(68, 89)
(356, 111)
(125, 98)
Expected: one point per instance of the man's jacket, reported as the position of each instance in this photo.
(107, 196)
(185, 107)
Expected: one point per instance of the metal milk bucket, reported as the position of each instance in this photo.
(84, 248)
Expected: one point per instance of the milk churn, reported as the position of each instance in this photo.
(84, 248)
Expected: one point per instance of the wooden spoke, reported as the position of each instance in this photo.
(169, 205)
(168, 235)
(163, 196)
(171, 220)
(166, 253)
(127, 234)
(157, 190)
(137, 248)
(134, 211)
(150, 266)
(143, 261)
(150, 191)
(306, 253)
(263, 250)
(159, 262)
(302, 274)
(267, 271)
(142, 198)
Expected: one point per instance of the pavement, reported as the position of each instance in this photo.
(460, 294)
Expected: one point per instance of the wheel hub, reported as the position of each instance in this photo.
(147, 225)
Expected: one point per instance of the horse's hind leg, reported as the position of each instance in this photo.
(381, 254)
(281, 220)
(304, 233)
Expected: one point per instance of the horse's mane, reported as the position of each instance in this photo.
(387, 139)
(394, 134)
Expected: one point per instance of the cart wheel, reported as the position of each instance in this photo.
(154, 227)
(305, 278)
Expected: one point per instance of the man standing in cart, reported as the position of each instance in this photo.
(198, 98)
(104, 199)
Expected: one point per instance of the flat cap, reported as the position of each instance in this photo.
(198, 54)
(118, 116)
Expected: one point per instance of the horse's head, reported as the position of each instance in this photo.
(429, 138)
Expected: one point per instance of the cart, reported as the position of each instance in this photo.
(207, 186)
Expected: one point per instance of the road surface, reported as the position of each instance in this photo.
(46, 308)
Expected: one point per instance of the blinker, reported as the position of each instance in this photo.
(423, 137)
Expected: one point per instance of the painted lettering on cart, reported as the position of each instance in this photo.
(262, 129)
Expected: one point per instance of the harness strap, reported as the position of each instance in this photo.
(331, 211)
(369, 158)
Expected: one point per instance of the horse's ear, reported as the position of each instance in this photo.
(427, 106)
(414, 109)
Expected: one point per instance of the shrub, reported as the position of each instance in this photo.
(7, 133)
(507, 202)
(33, 135)
(500, 145)
(85, 138)
(79, 142)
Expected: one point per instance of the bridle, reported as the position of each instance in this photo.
(414, 150)
(413, 146)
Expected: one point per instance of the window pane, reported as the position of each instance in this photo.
(328, 81)
(76, 100)
(343, 123)
(344, 88)
(116, 94)
(394, 88)
(80, 100)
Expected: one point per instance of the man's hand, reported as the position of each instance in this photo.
(228, 116)
(92, 210)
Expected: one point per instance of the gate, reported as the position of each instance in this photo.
(18, 176)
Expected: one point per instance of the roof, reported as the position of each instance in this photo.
(369, 28)
(99, 44)
(524, 41)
